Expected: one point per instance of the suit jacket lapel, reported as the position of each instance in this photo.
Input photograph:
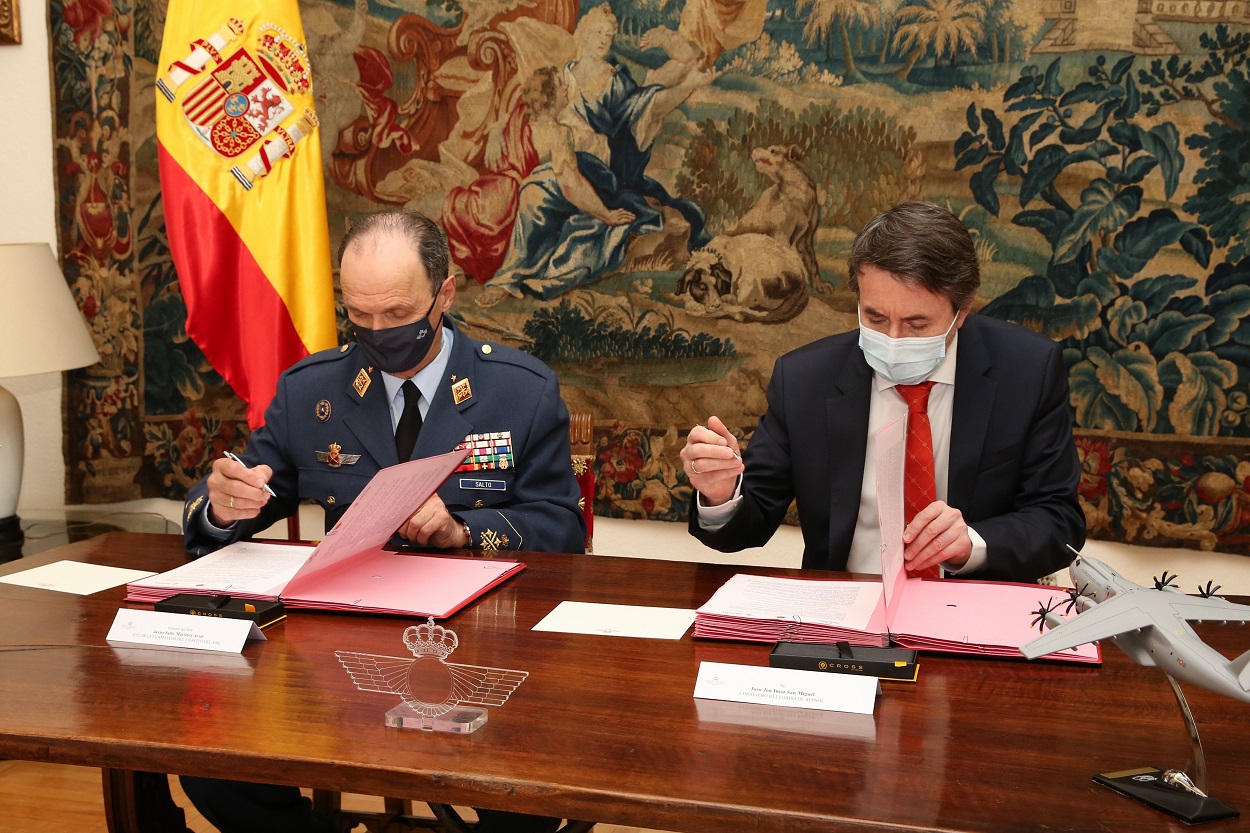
(846, 426)
(970, 416)
(370, 420)
(447, 423)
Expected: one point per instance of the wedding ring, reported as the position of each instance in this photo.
(232, 501)
(693, 469)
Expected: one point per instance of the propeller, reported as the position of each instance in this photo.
(1167, 581)
(1039, 615)
(1209, 591)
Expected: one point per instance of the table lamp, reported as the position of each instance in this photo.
(43, 332)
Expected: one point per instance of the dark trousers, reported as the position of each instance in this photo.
(244, 807)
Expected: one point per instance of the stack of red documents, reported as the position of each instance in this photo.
(964, 617)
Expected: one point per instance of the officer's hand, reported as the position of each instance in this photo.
(712, 461)
(433, 526)
(236, 492)
(937, 535)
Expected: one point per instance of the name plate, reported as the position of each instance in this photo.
(786, 687)
(489, 485)
(178, 630)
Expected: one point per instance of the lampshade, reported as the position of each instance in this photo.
(43, 332)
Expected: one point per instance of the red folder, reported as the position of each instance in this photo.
(965, 617)
(349, 569)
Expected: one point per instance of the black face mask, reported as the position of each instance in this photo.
(396, 349)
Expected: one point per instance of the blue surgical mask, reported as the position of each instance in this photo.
(396, 349)
(903, 361)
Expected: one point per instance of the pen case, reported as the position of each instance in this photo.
(195, 604)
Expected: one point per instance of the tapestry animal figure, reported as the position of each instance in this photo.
(788, 210)
(746, 277)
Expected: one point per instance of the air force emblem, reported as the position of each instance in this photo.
(429, 685)
(335, 457)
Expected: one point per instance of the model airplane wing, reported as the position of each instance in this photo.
(1102, 622)
(1211, 609)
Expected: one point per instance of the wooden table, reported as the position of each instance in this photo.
(604, 728)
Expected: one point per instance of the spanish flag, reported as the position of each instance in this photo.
(245, 210)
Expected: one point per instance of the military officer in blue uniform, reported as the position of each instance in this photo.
(412, 385)
(332, 424)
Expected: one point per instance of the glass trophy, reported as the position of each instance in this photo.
(436, 695)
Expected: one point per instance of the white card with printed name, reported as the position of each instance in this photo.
(787, 687)
(178, 630)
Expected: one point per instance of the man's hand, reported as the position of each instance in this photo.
(236, 492)
(937, 535)
(712, 461)
(433, 526)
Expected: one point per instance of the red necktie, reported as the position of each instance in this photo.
(919, 480)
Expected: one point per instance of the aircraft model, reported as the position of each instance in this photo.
(1151, 625)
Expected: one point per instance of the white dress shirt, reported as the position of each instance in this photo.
(885, 406)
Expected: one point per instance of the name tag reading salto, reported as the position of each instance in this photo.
(492, 485)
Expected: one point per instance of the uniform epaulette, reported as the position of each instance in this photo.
(488, 351)
(339, 353)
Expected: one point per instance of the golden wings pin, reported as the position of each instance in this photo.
(335, 457)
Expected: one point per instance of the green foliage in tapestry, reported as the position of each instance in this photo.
(1148, 350)
(1219, 84)
(168, 353)
(587, 329)
(861, 160)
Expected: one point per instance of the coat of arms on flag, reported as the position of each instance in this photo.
(242, 190)
(244, 94)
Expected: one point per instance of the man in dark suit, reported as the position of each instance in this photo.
(412, 385)
(1004, 464)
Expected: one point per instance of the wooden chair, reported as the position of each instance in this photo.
(582, 445)
(397, 814)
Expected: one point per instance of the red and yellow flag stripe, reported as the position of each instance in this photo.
(240, 164)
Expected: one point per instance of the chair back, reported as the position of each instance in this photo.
(582, 447)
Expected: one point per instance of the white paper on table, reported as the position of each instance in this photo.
(74, 577)
(618, 620)
(844, 604)
(254, 568)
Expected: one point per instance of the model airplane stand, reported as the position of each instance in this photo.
(438, 696)
(1173, 791)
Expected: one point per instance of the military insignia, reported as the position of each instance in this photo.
(361, 383)
(487, 451)
(323, 410)
(335, 457)
(461, 391)
(477, 504)
(492, 541)
(242, 102)
(192, 507)
(428, 684)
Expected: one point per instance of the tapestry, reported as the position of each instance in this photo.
(694, 173)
